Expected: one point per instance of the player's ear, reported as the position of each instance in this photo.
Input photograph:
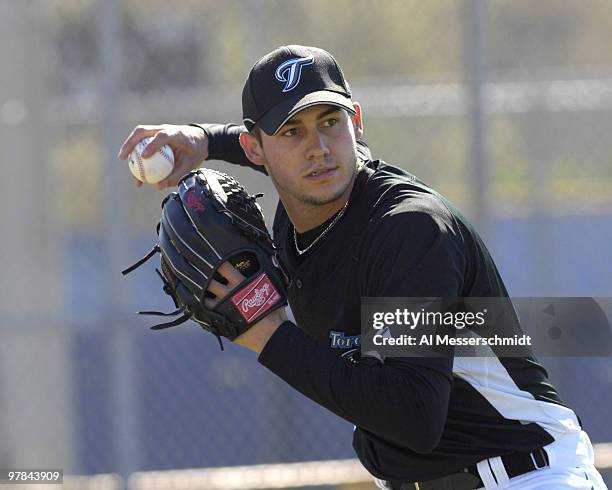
(357, 121)
(252, 148)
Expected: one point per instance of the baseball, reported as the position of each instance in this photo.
(153, 169)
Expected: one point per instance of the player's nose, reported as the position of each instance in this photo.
(316, 146)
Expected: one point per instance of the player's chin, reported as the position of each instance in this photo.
(326, 191)
(325, 196)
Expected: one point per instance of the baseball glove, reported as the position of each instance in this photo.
(211, 220)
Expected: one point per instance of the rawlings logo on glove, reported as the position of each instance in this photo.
(257, 298)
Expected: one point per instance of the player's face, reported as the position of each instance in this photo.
(312, 158)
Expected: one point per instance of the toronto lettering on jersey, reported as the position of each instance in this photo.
(339, 340)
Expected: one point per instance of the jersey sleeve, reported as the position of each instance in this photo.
(402, 400)
(403, 403)
(223, 144)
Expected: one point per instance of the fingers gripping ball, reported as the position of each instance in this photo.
(153, 169)
(209, 221)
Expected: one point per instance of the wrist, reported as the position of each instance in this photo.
(256, 337)
(202, 141)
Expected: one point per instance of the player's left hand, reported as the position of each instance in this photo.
(256, 337)
(220, 291)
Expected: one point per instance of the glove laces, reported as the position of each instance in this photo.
(168, 289)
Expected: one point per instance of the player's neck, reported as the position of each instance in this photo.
(306, 216)
(308, 221)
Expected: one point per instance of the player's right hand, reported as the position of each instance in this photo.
(189, 144)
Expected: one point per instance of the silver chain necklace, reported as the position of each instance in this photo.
(323, 233)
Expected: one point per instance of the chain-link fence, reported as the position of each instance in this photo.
(505, 107)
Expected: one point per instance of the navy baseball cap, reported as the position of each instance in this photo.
(289, 79)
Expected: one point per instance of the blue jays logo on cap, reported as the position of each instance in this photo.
(313, 71)
(291, 70)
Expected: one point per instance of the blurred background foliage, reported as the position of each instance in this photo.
(198, 45)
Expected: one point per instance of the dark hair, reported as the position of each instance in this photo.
(256, 131)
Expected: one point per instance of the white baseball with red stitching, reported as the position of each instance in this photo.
(153, 169)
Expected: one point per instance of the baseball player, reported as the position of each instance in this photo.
(349, 226)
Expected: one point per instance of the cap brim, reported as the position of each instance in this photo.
(274, 119)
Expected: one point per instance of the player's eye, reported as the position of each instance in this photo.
(330, 122)
(291, 132)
